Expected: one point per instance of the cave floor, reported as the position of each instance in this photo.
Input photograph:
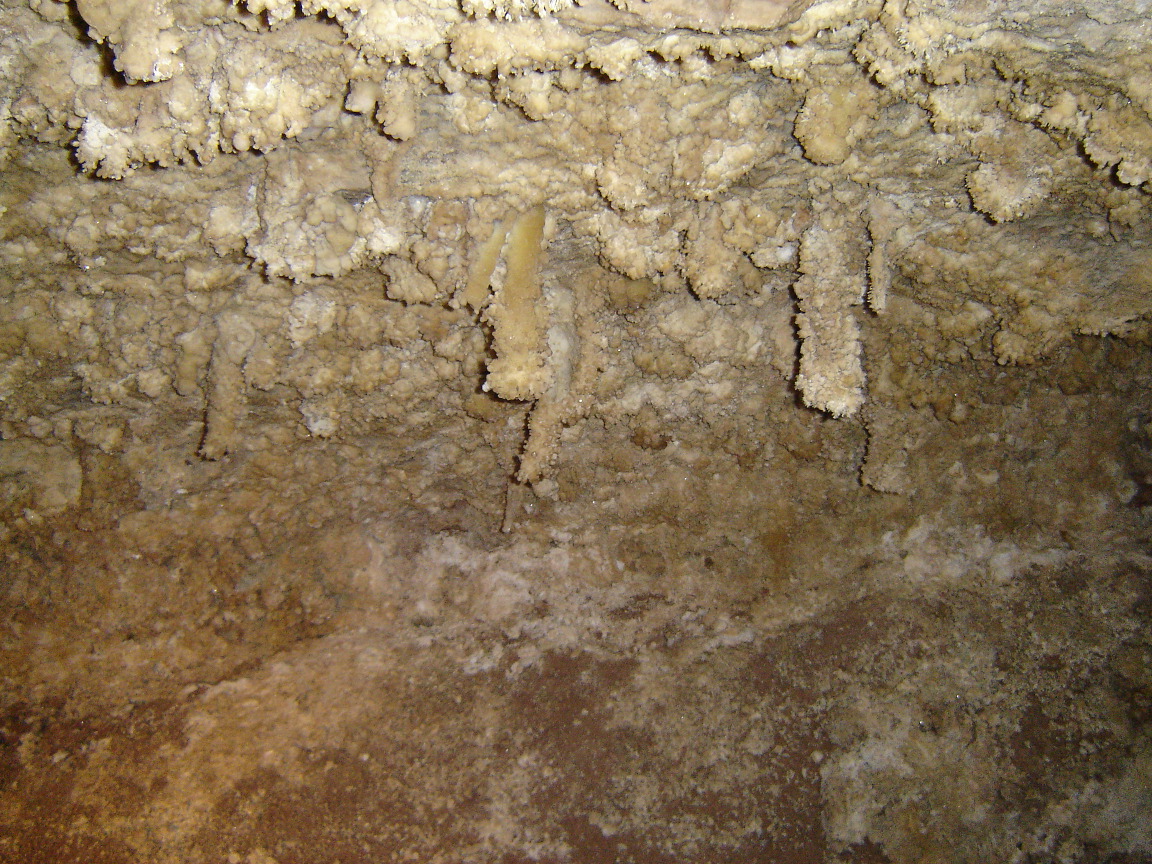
(332, 653)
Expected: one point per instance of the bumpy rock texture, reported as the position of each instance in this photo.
(576, 432)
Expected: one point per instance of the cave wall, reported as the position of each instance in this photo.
(311, 205)
(764, 385)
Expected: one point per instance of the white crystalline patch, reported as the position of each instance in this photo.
(309, 317)
(319, 419)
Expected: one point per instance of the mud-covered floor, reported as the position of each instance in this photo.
(352, 652)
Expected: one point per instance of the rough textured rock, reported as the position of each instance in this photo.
(671, 430)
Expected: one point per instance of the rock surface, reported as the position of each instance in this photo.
(575, 432)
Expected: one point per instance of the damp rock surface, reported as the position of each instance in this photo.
(575, 432)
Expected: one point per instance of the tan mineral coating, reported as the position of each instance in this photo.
(518, 370)
(814, 523)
